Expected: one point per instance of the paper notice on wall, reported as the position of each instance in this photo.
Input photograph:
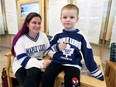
(54, 13)
(90, 18)
(1, 21)
(113, 36)
(11, 16)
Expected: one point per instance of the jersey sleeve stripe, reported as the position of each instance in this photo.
(99, 76)
(94, 71)
(21, 55)
(25, 61)
(97, 73)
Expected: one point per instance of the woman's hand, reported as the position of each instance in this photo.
(46, 63)
(62, 46)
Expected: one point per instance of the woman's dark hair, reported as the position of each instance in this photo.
(24, 29)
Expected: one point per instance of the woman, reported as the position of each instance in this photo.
(28, 47)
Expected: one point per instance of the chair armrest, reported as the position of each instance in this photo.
(8, 54)
(8, 63)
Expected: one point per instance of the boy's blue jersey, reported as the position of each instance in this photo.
(77, 44)
(71, 56)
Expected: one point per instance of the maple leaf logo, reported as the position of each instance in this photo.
(68, 51)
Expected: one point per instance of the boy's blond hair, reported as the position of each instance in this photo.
(70, 7)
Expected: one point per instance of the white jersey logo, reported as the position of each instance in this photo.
(68, 51)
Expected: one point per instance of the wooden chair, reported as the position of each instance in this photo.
(110, 73)
(86, 81)
(8, 69)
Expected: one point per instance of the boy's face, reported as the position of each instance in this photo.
(69, 18)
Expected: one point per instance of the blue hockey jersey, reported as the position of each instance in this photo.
(71, 55)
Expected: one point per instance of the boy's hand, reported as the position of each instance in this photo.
(62, 46)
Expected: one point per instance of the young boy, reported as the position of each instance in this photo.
(65, 50)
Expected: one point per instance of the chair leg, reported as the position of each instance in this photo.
(9, 81)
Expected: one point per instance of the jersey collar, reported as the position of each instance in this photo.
(33, 39)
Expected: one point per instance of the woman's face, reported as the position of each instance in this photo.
(34, 25)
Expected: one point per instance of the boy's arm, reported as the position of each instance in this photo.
(52, 50)
(89, 60)
(53, 47)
